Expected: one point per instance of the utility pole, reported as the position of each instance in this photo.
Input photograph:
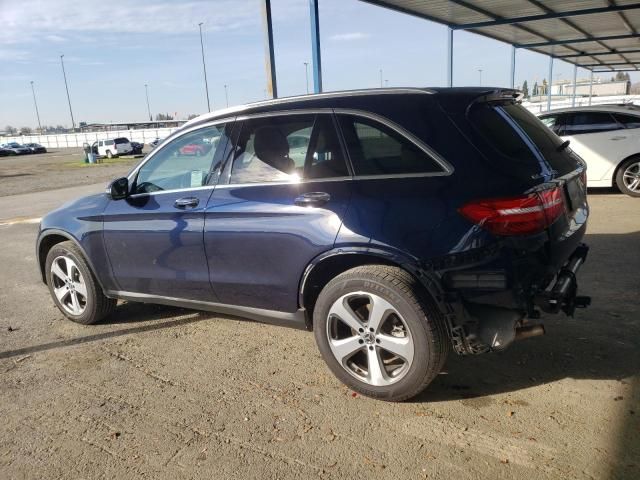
(204, 68)
(36, 104)
(226, 94)
(381, 85)
(146, 91)
(306, 75)
(480, 72)
(66, 86)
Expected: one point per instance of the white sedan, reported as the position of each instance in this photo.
(607, 137)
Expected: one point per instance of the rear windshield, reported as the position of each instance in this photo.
(119, 141)
(521, 138)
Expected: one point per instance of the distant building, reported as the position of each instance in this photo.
(565, 87)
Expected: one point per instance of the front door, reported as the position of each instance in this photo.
(278, 205)
(154, 237)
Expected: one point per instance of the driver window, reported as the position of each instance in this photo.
(184, 162)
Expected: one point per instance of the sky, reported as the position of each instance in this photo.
(112, 48)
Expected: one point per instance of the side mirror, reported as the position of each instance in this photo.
(118, 189)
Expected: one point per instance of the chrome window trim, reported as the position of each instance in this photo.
(175, 190)
(446, 166)
(309, 97)
(178, 133)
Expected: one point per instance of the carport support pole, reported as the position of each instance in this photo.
(550, 83)
(270, 61)
(575, 76)
(513, 66)
(316, 58)
(449, 57)
(590, 86)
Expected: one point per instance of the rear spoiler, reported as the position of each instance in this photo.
(462, 99)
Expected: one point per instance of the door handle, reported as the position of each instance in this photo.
(619, 137)
(186, 202)
(312, 199)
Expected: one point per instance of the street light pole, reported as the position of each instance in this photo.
(66, 86)
(226, 94)
(480, 72)
(204, 67)
(381, 85)
(146, 91)
(306, 75)
(36, 104)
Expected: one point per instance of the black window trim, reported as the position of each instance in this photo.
(591, 110)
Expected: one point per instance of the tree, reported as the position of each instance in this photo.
(535, 92)
(192, 116)
(25, 131)
(525, 89)
(10, 130)
(163, 116)
(544, 87)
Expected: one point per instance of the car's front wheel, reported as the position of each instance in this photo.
(380, 333)
(109, 154)
(73, 287)
(628, 177)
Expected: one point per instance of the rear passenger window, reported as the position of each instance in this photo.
(589, 122)
(288, 149)
(376, 149)
(629, 121)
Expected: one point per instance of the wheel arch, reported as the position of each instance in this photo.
(334, 262)
(51, 237)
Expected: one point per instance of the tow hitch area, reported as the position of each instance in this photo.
(562, 295)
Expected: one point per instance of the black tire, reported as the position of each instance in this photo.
(420, 314)
(109, 154)
(97, 305)
(631, 166)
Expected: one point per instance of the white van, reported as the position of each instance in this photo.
(113, 147)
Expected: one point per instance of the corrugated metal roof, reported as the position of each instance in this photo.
(601, 35)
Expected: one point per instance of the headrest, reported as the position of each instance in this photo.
(271, 146)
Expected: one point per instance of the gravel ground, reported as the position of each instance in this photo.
(170, 393)
(60, 168)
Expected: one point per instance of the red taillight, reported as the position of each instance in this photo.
(522, 215)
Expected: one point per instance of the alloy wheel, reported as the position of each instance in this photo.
(370, 339)
(631, 177)
(69, 286)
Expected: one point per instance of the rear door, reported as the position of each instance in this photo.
(280, 204)
(596, 137)
(154, 237)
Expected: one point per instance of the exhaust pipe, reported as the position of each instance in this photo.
(529, 331)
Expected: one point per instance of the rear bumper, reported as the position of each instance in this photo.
(562, 294)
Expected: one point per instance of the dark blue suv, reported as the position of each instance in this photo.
(397, 224)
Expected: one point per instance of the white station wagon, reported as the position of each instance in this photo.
(607, 137)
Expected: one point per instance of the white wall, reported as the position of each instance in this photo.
(539, 107)
(67, 140)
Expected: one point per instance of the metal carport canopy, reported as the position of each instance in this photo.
(600, 35)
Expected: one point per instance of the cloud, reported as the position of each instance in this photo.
(37, 20)
(348, 37)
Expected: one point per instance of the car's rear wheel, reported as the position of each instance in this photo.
(73, 287)
(628, 177)
(380, 333)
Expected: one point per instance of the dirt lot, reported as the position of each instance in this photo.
(169, 393)
(60, 168)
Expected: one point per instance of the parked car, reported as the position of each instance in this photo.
(418, 221)
(35, 148)
(196, 149)
(15, 148)
(607, 137)
(155, 142)
(113, 147)
(136, 148)
(4, 152)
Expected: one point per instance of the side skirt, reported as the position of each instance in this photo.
(285, 319)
